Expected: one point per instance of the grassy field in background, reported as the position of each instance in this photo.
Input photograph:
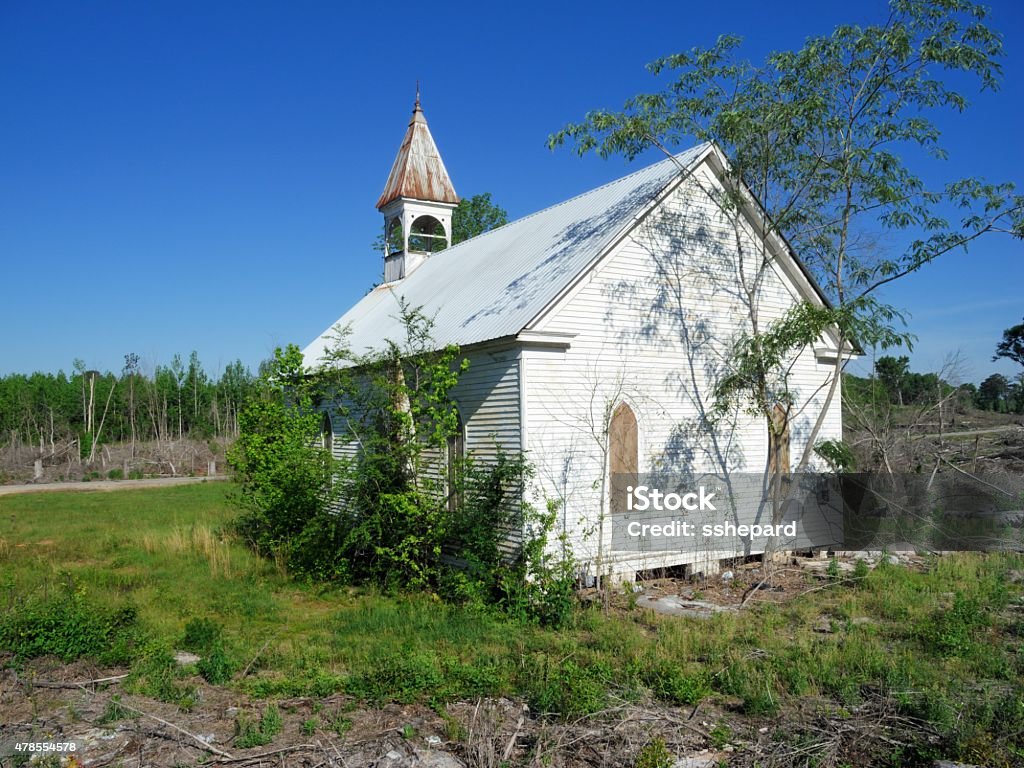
(941, 647)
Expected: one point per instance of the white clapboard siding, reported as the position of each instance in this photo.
(653, 323)
(487, 397)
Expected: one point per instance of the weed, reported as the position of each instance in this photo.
(672, 684)
(258, 733)
(832, 571)
(310, 726)
(340, 724)
(566, 689)
(952, 632)
(114, 712)
(156, 674)
(720, 735)
(654, 754)
(216, 667)
(453, 730)
(860, 570)
(200, 635)
(395, 676)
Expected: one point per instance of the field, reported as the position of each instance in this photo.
(896, 666)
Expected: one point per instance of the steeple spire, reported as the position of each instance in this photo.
(417, 201)
(418, 171)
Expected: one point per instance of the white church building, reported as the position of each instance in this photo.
(595, 331)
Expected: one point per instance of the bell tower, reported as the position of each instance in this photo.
(417, 202)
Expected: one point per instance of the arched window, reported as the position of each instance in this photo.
(456, 453)
(394, 236)
(427, 235)
(623, 455)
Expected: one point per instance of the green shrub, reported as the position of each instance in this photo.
(216, 666)
(672, 684)
(204, 637)
(201, 635)
(860, 570)
(396, 514)
(952, 632)
(156, 674)
(70, 627)
(566, 689)
(832, 571)
(397, 677)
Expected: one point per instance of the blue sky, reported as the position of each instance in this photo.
(187, 175)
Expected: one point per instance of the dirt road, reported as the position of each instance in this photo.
(108, 485)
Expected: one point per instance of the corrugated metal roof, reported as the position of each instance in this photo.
(418, 172)
(492, 286)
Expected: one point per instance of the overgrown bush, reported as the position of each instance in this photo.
(70, 627)
(403, 512)
(285, 477)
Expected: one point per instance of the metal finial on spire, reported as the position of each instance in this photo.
(417, 96)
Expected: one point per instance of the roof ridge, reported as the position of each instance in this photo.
(607, 184)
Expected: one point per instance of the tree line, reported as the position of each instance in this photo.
(173, 401)
(893, 383)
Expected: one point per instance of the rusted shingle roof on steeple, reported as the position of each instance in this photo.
(418, 172)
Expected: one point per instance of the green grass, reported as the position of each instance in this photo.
(158, 571)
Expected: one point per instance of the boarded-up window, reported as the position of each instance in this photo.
(456, 453)
(624, 456)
